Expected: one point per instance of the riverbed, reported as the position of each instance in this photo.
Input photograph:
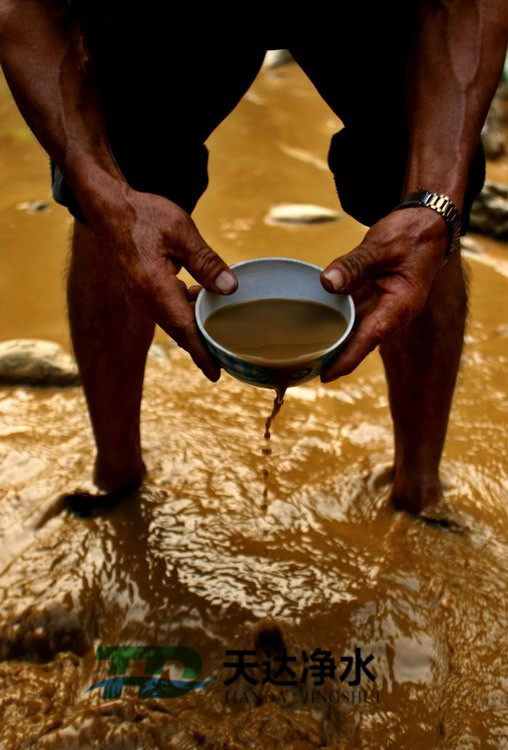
(324, 572)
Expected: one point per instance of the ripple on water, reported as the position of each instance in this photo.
(195, 557)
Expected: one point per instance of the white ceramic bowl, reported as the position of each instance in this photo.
(268, 278)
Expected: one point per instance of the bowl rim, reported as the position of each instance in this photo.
(274, 362)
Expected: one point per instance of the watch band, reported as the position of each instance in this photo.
(444, 206)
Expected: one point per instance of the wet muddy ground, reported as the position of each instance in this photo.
(195, 560)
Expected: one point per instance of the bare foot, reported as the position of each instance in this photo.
(109, 493)
(83, 504)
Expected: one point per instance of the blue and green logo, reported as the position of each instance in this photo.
(150, 684)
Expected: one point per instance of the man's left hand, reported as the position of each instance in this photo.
(389, 276)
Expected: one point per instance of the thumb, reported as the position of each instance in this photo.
(189, 248)
(209, 269)
(349, 272)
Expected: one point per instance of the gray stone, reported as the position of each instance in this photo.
(276, 57)
(300, 213)
(37, 363)
(489, 213)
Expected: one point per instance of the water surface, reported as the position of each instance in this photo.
(199, 557)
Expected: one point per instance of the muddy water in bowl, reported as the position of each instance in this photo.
(276, 330)
(279, 329)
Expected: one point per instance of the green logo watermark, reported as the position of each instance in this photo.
(149, 684)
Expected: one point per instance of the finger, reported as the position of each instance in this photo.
(192, 292)
(173, 313)
(200, 260)
(211, 271)
(375, 326)
(349, 272)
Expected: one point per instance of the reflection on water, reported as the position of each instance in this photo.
(195, 559)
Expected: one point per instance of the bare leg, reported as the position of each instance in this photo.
(421, 363)
(111, 341)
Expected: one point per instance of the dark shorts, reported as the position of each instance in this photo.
(167, 81)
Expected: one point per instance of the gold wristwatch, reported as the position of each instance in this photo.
(444, 206)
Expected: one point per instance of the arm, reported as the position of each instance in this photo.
(150, 238)
(458, 57)
(456, 67)
(46, 67)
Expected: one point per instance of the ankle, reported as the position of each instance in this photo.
(415, 494)
(118, 476)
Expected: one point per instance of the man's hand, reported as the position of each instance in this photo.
(150, 239)
(389, 276)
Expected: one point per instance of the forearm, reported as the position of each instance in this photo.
(46, 68)
(456, 65)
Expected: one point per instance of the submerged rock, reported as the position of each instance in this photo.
(489, 213)
(300, 213)
(36, 362)
(40, 633)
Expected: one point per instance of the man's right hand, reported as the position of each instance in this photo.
(151, 239)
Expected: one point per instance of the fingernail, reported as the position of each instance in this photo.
(211, 374)
(225, 282)
(335, 277)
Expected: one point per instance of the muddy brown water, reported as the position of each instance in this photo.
(194, 560)
(271, 330)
